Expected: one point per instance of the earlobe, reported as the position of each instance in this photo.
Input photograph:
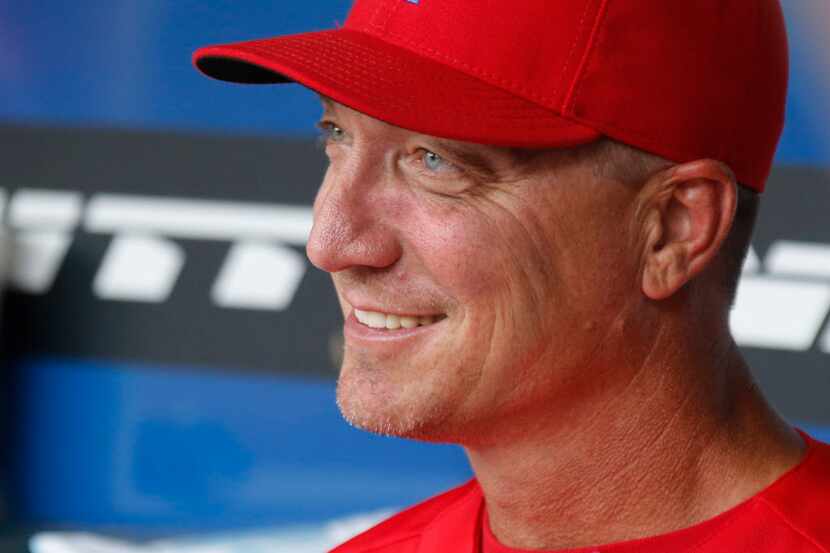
(691, 211)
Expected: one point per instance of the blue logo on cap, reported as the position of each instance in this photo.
(414, 1)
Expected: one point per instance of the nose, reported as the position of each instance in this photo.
(350, 229)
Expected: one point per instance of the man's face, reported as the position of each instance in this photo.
(516, 268)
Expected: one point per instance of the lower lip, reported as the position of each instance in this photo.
(354, 329)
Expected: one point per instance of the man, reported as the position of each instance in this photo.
(535, 216)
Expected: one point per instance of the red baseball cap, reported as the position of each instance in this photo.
(684, 80)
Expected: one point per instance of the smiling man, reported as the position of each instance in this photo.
(535, 216)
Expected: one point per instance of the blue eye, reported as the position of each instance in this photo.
(433, 161)
(331, 132)
(336, 133)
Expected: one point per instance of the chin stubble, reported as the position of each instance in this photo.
(365, 404)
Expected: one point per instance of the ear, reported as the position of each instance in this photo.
(689, 213)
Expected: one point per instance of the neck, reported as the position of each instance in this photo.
(685, 438)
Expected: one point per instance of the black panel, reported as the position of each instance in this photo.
(189, 329)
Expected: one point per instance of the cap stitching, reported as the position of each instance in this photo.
(576, 86)
(345, 53)
(366, 61)
(293, 53)
(572, 49)
(357, 85)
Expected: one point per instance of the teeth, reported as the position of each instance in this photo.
(409, 322)
(393, 322)
(375, 319)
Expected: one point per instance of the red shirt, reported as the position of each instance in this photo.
(790, 516)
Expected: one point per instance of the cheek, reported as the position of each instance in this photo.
(598, 262)
(462, 252)
(491, 267)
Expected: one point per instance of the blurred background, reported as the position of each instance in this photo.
(170, 355)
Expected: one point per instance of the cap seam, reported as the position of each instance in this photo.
(568, 59)
(572, 94)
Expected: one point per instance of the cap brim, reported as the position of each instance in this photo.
(394, 85)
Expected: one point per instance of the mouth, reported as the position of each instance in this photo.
(390, 321)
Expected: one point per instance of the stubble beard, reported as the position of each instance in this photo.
(368, 400)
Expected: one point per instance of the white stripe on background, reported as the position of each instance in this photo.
(198, 219)
(799, 259)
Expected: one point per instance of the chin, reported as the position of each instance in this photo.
(391, 412)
